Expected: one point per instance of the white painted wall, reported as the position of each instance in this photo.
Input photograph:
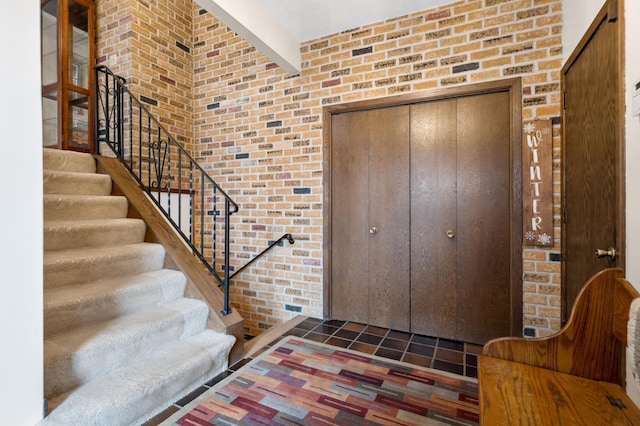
(577, 15)
(21, 388)
(632, 74)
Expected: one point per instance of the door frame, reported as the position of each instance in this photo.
(612, 10)
(514, 87)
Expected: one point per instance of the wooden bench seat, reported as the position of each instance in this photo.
(574, 377)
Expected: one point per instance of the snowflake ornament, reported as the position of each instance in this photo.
(546, 130)
(544, 239)
(529, 128)
(530, 235)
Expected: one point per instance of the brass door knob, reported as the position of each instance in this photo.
(450, 233)
(373, 230)
(611, 253)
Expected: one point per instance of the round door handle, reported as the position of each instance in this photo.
(373, 230)
(450, 233)
(611, 253)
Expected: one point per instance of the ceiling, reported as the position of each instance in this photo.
(310, 19)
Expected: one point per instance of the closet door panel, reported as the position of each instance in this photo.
(350, 220)
(389, 236)
(484, 221)
(434, 295)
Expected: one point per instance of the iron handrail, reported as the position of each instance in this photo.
(288, 237)
(165, 171)
(120, 119)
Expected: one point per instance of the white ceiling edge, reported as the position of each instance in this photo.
(310, 19)
(251, 20)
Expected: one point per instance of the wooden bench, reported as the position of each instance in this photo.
(574, 377)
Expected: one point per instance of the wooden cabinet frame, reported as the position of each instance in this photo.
(64, 87)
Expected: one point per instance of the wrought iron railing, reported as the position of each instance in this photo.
(188, 197)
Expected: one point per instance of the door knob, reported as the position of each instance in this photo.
(373, 230)
(610, 253)
(450, 233)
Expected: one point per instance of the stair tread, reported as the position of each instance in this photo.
(70, 306)
(64, 267)
(63, 234)
(63, 182)
(70, 357)
(79, 206)
(81, 197)
(99, 251)
(72, 174)
(69, 160)
(131, 323)
(80, 223)
(134, 394)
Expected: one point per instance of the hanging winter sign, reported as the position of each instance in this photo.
(537, 185)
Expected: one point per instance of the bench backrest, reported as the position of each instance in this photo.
(593, 342)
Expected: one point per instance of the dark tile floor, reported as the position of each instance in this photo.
(441, 354)
(427, 351)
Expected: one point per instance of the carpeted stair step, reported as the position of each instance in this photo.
(71, 161)
(79, 207)
(121, 340)
(61, 182)
(68, 234)
(71, 358)
(66, 267)
(72, 306)
(134, 394)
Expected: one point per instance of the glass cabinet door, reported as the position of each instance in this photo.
(78, 76)
(67, 59)
(49, 47)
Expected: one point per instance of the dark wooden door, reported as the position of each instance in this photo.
(460, 217)
(434, 301)
(370, 216)
(484, 232)
(593, 187)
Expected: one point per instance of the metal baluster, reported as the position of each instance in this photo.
(214, 231)
(202, 215)
(227, 215)
(168, 178)
(107, 118)
(180, 190)
(131, 133)
(191, 195)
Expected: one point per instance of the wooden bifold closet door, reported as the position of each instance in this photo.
(460, 218)
(370, 231)
(421, 229)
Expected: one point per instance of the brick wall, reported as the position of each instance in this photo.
(150, 44)
(258, 131)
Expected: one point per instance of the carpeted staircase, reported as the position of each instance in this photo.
(121, 341)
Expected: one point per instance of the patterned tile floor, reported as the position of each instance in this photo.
(433, 352)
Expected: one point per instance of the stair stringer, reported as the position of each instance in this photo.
(200, 283)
